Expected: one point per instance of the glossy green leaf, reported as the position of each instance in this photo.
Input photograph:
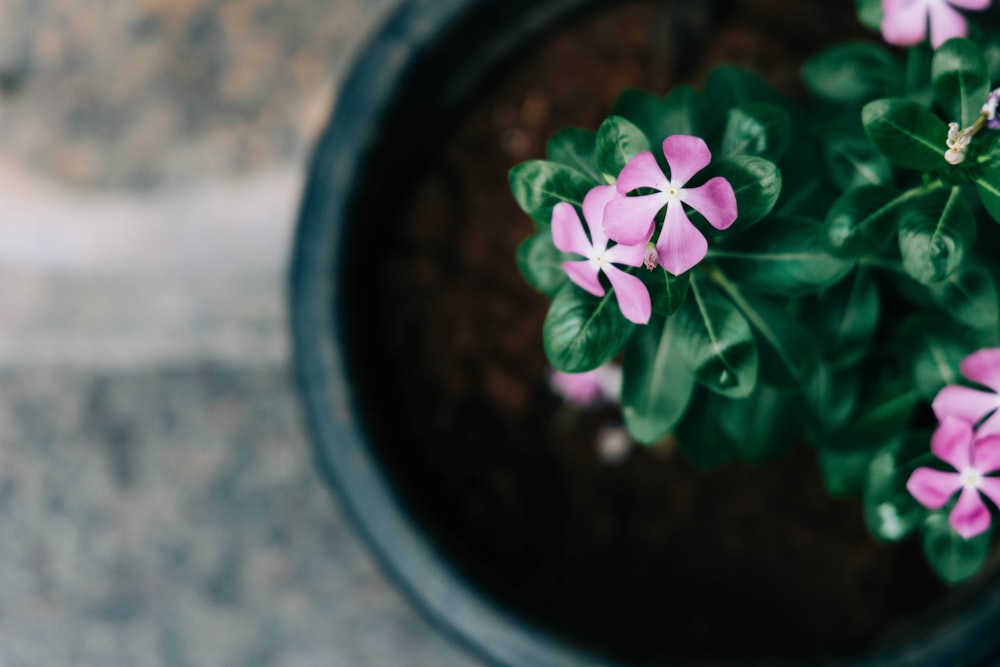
(960, 80)
(760, 130)
(728, 86)
(666, 291)
(684, 111)
(935, 232)
(805, 189)
(844, 473)
(700, 436)
(538, 185)
(969, 296)
(883, 415)
(851, 159)
(832, 397)
(756, 183)
(890, 512)
(988, 187)
(582, 331)
(852, 73)
(863, 220)
(575, 148)
(907, 133)
(870, 13)
(656, 384)
(782, 257)
(932, 348)
(951, 556)
(540, 263)
(845, 319)
(716, 342)
(618, 141)
(758, 427)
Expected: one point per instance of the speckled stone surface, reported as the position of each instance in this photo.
(159, 502)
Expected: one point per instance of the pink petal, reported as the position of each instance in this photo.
(963, 403)
(584, 274)
(986, 454)
(970, 516)
(952, 442)
(983, 367)
(946, 23)
(974, 5)
(990, 427)
(904, 23)
(681, 245)
(715, 200)
(642, 171)
(567, 230)
(581, 389)
(629, 255)
(932, 488)
(593, 213)
(991, 487)
(629, 220)
(686, 156)
(632, 295)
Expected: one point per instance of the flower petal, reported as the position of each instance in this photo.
(686, 156)
(715, 200)
(584, 274)
(932, 488)
(642, 171)
(946, 23)
(904, 23)
(593, 213)
(975, 5)
(952, 443)
(970, 516)
(990, 427)
(681, 245)
(629, 255)
(991, 487)
(629, 220)
(964, 403)
(986, 454)
(983, 367)
(567, 230)
(632, 295)
(580, 389)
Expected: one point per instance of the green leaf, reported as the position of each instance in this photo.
(952, 557)
(700, 436)
(805, 190)
(728, 86)
(890, 512)
(969, 296)
(988, 187)
(683, 111)
(932, 348)
(844, 472)
(783, 257)
(852, 73)
(845, 318)
(538, 185)
(716, 342)
(851, 159)
(666, 291)
(756, 183)
(907, 133)
(540, 263)
(863, 220)
(832, 397)
(575, 148)
(656, 385)
(934, 233)
(618, 141)
(582, 331)
(759, 426)
(761, 130)
(884, 414)
(870, 13)
(960, 80)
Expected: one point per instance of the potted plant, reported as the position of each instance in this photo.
(793, 277)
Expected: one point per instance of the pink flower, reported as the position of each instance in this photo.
(973, 405)
(589, 389)
(630, 220)
(904, 22)
(568, 236)
(973, 457)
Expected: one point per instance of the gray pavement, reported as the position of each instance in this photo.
(159, 504)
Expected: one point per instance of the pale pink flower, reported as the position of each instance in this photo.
(589, 389)
(974, 405)
(630, 220)
(973, 457)
(904, 22)
(568, 236)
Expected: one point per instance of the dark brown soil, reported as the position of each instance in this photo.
(648, 558)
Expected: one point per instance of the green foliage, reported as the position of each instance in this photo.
(932, 348)
(756, 183)
(618, 141)
(960, 80)
(538, 185)
(582, 331)
(850, 158)
(844, 473)
(906, 132)
(540, 263)
(575, 148)
(951, 556)
(666, 291)
(969, 296)
(988, 188)
(869, 12)
(890, 512)
(761, 130)
(852, 73)
(844, 318)
(729, 86)
(683, 111)
(935, 232)
(863, 220)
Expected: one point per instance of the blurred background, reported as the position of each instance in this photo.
(159, 504)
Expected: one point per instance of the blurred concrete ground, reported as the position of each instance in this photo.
(158, 500)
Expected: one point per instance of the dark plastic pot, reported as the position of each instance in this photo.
(413, 79)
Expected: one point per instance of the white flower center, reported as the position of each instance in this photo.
(673, 192)
(971, 478)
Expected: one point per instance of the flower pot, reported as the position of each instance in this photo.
(418, 353)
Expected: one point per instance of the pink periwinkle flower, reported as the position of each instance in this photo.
(568, 236)
(974, 405)
(589, 389)
(904, 22)
(630, 220)
(973, 457)
(990, 110)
